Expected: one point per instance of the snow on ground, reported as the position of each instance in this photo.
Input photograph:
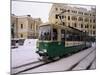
(63, 64)
(24, 54)
(16, 70)
(93, 66)
(87, 61)
(94, 44)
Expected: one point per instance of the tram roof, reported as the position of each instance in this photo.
(68, 28)
(77, 31)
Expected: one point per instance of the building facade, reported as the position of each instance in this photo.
(13, 26)
(26, 26)
(77, 17)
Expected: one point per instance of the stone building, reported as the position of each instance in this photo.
(25, 26)
(77, 17)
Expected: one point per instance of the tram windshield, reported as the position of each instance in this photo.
(45, 33)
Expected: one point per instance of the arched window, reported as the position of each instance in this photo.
(74, 18)
(21, 26)
(86, 19)
(81, 25)
(80, 19)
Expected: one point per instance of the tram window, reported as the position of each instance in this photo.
(54, 34)
(45, 33)
(63, 35)
(72, 37)
(68, 36)
(45, 36)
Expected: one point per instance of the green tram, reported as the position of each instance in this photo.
(58, 40)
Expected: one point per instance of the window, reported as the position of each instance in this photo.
(74, 11)
(21, 35)
(70, 36)
(12, 30)
(59, 16)
(62, 16)
(90, 20)
(94, 15)
(31, 26)
(56, 16)
(67, 10)
(86, 14)
(93, 32)
(87, 26)
(63, 23)
(81, 25)
(54, 34)
(68, 17)
(61, 9)
(93, 27)
(68, 24)
(74, 18)
(56, 9)
(21, 26)
(75, 25)
(80, 19)
(63, 35)
(45, 33)
(86, 20)
(80, 13)
(90, 26)
(94, 21)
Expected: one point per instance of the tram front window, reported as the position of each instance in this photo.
(45, 33)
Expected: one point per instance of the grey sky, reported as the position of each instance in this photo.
(36, 10)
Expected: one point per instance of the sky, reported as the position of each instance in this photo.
(36, 10)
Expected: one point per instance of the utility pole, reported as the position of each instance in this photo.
(61, 17)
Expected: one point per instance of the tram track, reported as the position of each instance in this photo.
(36, 64)
(25, 64)
(74, 65)
(28, 66)
(88, 67)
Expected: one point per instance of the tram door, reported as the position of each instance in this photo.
(63, 36)
(55, 34)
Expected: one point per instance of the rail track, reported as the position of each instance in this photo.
(36, 64)
(76, 64)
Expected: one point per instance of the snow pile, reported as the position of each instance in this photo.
(30, 42)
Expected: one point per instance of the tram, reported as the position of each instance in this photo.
(58, 40)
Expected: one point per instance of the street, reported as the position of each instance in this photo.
(25, 60)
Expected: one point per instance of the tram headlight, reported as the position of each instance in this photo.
(44, 50)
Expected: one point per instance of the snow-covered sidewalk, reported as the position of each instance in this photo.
(63, 64)
(24, 54)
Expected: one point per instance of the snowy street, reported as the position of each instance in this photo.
(68, 62)
(24, 54)
(24, 57)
